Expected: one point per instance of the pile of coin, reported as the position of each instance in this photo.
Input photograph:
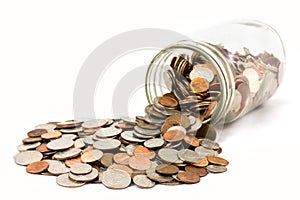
(165, 146)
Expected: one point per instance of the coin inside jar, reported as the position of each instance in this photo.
(199, 85)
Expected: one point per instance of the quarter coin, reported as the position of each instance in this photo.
(60, 144)
(143, 181)
(94, 123)
(154, 143)
(85, 177)
(27, 157)
(116, 179)
(66, 154)
(57, 167)
(169, 155)
(25, 147)
(65, 181)
(108, 132)
(106, 144)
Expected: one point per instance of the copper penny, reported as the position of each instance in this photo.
(31, 140)
(168, 101)
(217, 160)
(107, 159)
(199, 85)
(37, 167)
(191, 140)
(73, 161)
(36, 132)
(123, 168)
(121, 158)
(174, 136)
(51, 135)
(203, 163)
(43, 148)
(167, 169)
(188, 177)
(144, 152)
(200, 171)
(139, 163)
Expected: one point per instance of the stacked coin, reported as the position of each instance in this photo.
(164, 146)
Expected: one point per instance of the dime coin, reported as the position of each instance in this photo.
(154, 143)
(106, 144)
(167, 169)
(107, 159)
(91, 156)
(65, 181)
(188, 177)
(25, 147)
(217, 160)
(108, 132)
(139, 163)
(199, 85)
(121, 158)
(94, 123)
(57, 167)
(60, 144)
(116, 179)
(189, 156)
(36, 132)
(143, 181)
(85, 177)
(51, 135)
(204, 152)
(37, 167)
(66, 154)
(216, 168)
(200, 171)
(169, 155)
(27, 157)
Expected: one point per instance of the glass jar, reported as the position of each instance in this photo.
(222, 73)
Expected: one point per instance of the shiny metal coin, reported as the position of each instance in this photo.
(60, 144)
(80, 168)
(85, 177)
(108, 132)
(128, 120)
(151, 174)
(88, 140)
(57, 167)
(204, 152)
(146, 125)
(130, 149)
(91, 156)
(209, 144)
(64, 181)
(128, 136)
(66, 154)
(94, 123)
(216, 168)
(169, 155)
(146, 131)
(48, 127)
(143, 181)
(201, 72)
(116, 179)
(194, 127)
(25, 147)
(153, 120)
(141, 136)
(73, 130)
(177, 128)
(154, 143)
(27, 157)
(106, 144)
(79, 143)
(189, 156)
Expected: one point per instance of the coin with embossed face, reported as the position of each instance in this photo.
(28, 157)
(143, 181)
(66, 154)
(80, 168)
(65, 181)
(106, 144)
(199, 85)
(60, 144)
(116, 179)
(154, 143)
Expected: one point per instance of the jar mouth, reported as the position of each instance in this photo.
(156, 85)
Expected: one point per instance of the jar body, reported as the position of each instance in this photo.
(223, 73)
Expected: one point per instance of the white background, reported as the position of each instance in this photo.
(44, 43)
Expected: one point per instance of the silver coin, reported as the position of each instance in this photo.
(48, 127)
(192, 119)
(153, 120)
(128, 136)
(91, 156)
(169, 155)
(65, 181)
(216, 168)
(143, 181)
(141, 136)
(201, 72)
(94, 123)
(79, 143)
(57, 167)
(71, 130)
(69, 136)
(108, 132)
(25, 147)
(116, 179)
(66, 154)
(151, 174)
(130, 148)
(85, 177)
(27, 157)
(107, 144)
(194, 127)
(60, 144)
(128, 120)
(209, 144)
(88, 140)
(189, 156)
(154, 143)
(152, 112)
(80, 168)
(204, 152)
(146, 131)
(178, 128)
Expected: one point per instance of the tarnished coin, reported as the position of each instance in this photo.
(188, 177)
(91, 156)
(43, 148)
(94, 123)
(181, 120)
(123, 168)
(51, 135)
(204, 152)
(201, 72)
(209, 144)
(130, 148)
(139, 163)
(143, 181)
(116, 179)
(128, 136)
(57, 167)
(169, 155)
(27, 157)
(199, 85)
(167, 169)
(200, 171)
(107, 159)
(189, 156)
(108, 132)
(36, 132)
(48, 127)
(60, 144)
(37, 167)
(168, 101)
(151, 174)
(92, 175)
(216, 168)
(202, 163)
(217, 160)
(31, 140)
(65, 181)
(72, 161)
(25, 147)
(154, 143)
(107, 144)
(66, 154)
(144, 152)
(121, 158)
(173, 135)
(207, 131)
